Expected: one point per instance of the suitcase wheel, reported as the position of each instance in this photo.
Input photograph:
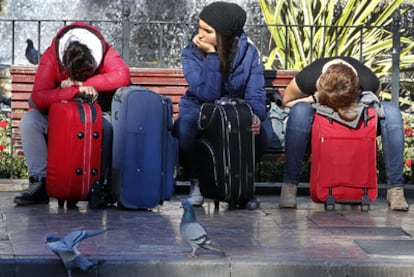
(253, 204)
(365, 203)
(330, 201)
(329, 207)
(364, 207)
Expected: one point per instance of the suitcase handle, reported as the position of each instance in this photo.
(203, 122)
(228, 101)
(83, 98)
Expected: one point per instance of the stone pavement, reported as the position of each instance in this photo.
(308, 241)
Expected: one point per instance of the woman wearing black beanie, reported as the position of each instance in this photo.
(220, 61)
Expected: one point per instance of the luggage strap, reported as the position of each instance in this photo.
(82, 115)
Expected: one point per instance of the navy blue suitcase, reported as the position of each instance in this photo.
(145, 153)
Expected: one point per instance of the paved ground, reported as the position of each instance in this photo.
(308, 241)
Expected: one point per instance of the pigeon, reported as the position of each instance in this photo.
(31, 53)
(65, 249)
(195, 234)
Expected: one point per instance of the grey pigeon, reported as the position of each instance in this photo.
(195, 235)
(65, 248)
(31, 53)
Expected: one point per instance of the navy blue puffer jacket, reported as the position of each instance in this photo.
(203, 75)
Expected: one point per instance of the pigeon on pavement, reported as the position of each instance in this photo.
(195, 235)
(31, 53)
(65, 248)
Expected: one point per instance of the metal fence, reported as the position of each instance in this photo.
(153, 43)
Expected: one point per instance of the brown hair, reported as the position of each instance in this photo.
(338, 87)
(226, 49)
(78, 61)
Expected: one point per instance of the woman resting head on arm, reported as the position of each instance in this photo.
(80, 65)
(338, 87)
(218, 34)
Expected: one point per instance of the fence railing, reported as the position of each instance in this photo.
(155, 43)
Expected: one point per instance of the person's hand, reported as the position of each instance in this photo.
(89, 91)
(68, 83)
(203, 46)
(256, 125)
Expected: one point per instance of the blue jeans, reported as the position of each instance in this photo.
(186, 130)
(298, 132)
(33, 128)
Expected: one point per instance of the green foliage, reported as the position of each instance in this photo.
(304, 30)
(2, 3)
(19, 165)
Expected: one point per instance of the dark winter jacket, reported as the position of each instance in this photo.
(203, 75)
(111, 72)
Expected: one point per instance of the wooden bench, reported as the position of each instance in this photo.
(170, 82)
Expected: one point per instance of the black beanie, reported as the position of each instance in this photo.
(226, 18)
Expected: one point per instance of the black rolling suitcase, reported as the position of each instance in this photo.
(226, 152)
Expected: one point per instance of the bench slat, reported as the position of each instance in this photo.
(166, 81)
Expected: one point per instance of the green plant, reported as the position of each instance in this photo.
(303, 30)
(19, 166)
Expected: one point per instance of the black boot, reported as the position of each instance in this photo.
(35, 194)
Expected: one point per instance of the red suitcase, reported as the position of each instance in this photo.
(343, 161)
(74, 149)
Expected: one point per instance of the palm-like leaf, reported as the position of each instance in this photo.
(304, 30)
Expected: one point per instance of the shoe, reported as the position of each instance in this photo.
(396, 200)
(35, 194)
(288, 196)
(195, 197)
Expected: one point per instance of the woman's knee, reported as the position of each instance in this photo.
(32, 120)
(266, 132)
(392, 114)
(300, 116)
(185, 126)
(301, 109)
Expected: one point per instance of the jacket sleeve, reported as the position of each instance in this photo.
(112, 74)
(203, 75)
(46, 87)
(255, 89)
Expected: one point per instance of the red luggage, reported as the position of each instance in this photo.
(343, 161)
(74, 149)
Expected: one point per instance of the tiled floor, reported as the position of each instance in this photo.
(264, 242)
